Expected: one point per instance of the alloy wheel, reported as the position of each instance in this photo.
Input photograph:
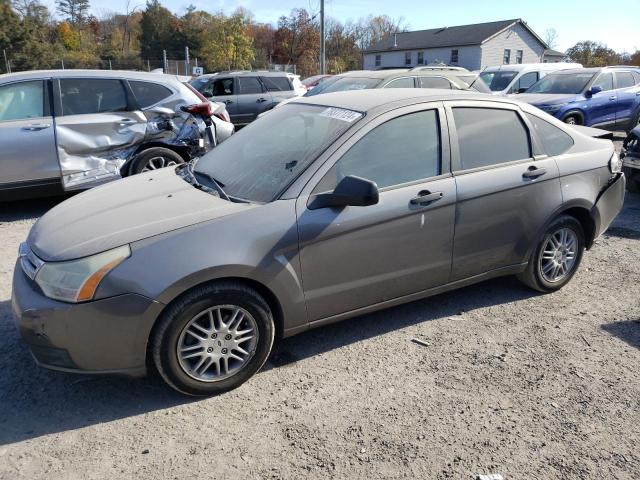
(558, 256)
(154, 163)
(217, 343)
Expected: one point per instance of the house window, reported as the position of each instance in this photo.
(506, 59)
(519, 54)
(407, 58)
(454, 56)
(420, 58)
(378, 60)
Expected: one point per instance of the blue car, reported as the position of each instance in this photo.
(607, 97)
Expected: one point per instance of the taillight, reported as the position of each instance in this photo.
(203, 109)
(224, 116)
(615, 163)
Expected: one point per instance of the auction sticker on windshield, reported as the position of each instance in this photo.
(341, 114)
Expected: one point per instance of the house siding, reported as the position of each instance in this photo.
(468, 57)
(514, 38)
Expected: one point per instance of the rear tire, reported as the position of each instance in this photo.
(554, 260)
(153, 159)
(178, 345)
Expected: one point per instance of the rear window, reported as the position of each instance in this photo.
(82, 96)
(248, 85)
(490, 136)
(277, 84)
(350, 83)
(554, 140)
(148, 93)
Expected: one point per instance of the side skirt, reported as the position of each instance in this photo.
(499, 272)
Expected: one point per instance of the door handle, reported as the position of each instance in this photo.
(425, 197)
(534, 172)
(34, 127)
(261, 99)
(126, 121)
(228, 102)
(612, 97)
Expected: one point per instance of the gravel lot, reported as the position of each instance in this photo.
(512, 382)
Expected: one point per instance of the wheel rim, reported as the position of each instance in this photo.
(558, 256)
(217, 343)
(571, 120)
(154, 163)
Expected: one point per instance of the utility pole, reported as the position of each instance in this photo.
(322, 53)
(6, 61)
(186, 60)
(165, 67)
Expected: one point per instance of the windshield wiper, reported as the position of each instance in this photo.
(213, 181)
(186, 172)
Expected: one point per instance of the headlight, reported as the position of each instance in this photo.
(553, 108)
(615, 163)
(77, 280)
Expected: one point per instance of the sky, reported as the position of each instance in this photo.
(615, 24)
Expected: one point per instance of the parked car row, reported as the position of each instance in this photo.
(67, 130)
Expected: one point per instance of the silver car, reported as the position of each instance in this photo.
(328, 208)
(66, 130)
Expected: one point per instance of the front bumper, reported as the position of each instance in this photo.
(102, 336)
(609, 204)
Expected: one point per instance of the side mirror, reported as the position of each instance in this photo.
(522, 90)
(593, 90)
(351, 191)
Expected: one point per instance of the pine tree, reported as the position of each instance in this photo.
(76, 11)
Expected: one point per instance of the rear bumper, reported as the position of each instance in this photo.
(103, 336)
(609, 204)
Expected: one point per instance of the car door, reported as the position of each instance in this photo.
(28, 154)
(628, 94)
(223, 90)
(97, 129)
(524, 82)
(602, 105)
(355, 257)
(253, 98)
(506, 187)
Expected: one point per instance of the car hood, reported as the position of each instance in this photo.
(122, 212)
(546, 98)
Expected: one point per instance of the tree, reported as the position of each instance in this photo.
(158, 30)
(551, 37)
(11, 31)
(298, 41)
(75, 11)
(593, 54)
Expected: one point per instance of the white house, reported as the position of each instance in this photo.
(470, 46)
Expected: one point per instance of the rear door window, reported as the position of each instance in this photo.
(148, 93)
(82, 96)
(490, 136)
(554, 140)
(525, 81)
(249, 85)
(19, 101)
(277, 84)
(624, 80)
(434, 82)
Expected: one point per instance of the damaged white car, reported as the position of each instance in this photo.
(66, 130)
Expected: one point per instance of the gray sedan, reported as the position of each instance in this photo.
(328, 208)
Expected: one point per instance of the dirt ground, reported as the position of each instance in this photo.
(510, 382)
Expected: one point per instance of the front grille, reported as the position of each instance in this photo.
(29, 262)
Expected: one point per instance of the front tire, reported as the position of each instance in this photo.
(572, 120)
(213, 339)
(556, 257)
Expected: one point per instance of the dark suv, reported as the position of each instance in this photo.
(246, 94)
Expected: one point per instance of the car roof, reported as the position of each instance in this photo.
(534, 66)
(370, 99)
(248, 73)
(67, 73)
(404, 72)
